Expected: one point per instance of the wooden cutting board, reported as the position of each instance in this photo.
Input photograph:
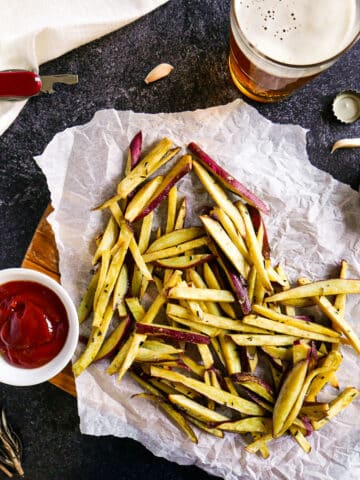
(42, 255)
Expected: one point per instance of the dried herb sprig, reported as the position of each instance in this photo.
(10, 448)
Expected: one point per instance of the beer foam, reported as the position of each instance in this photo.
(298, 32)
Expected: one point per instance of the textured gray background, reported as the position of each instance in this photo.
(193, 36)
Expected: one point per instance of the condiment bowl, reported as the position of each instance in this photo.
(19, 376)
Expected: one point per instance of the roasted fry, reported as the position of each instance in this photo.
(219, 396)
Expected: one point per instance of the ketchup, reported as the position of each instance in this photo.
(33, 324)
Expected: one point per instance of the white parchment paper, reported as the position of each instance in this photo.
(314, 223)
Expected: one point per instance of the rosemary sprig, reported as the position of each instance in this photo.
(10, 448)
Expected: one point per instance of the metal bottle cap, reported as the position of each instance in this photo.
(346, 106)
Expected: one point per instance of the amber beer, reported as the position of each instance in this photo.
(276, 46)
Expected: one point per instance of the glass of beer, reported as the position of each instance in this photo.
(276, 46)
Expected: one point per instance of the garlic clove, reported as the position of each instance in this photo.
(346, 143)
(160, 71)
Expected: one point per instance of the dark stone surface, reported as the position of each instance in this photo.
(193, 36)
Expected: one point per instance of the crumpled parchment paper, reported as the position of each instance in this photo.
(40, 34)
(314, 223)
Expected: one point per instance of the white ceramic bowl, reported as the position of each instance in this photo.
(18, 376)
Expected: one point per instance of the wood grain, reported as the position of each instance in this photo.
(42, 255)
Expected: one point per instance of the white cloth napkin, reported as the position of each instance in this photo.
(32, 33)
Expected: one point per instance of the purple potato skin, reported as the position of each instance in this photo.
(163, 331)
(228, 180)
(135, 149)
(163, 193)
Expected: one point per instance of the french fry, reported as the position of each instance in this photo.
(145, 232)
(340, 300)
(145, 168)
(212, 282)
(134, 153)
(230, 354)
(119, 358)
(281, 353)
(259, 291)
(170, 388)
(336, 405)
(175, 333)
(230, 229)
(260, 339)
(120, 290)
(334, 286)
(113, 341)
(221, 238)
(206, 356)
(332, 313)
(251, 280)
(138, 313)
(142, 198)
(211, 320)
(145, 355)
(185, 261)
(230, 386)
(201, 294)
(181, 216)
(161, 347)
(217, 349)
(181, 168)
(315, 410)
(294, 322)
(254, 248)
(139, 260)
(219, 396)
(171, 211)
(174, 238)
(260, 230)
(136, 339)
(236, 281)
(198, 281)
(288, 395)
(197, 327)
(203, 426)
(103, 270)
(300, 399)
(111, 277)
(259, 443)
(255, 384)
(252, 357)
(107, 240)
(274, 275)
(332, 361)
(95, 341)
(340, 306)
(136, 309)
(219, 196)
(176, 250)
(196, 410)
(283, 328)
(265, 453)
(87, 300)
(301, 440)
(197, 369)
(138, 282)
(246, 425)
(289, 310)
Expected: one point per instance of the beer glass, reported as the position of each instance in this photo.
(276, 46)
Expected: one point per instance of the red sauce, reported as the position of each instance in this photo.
(33, 323)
